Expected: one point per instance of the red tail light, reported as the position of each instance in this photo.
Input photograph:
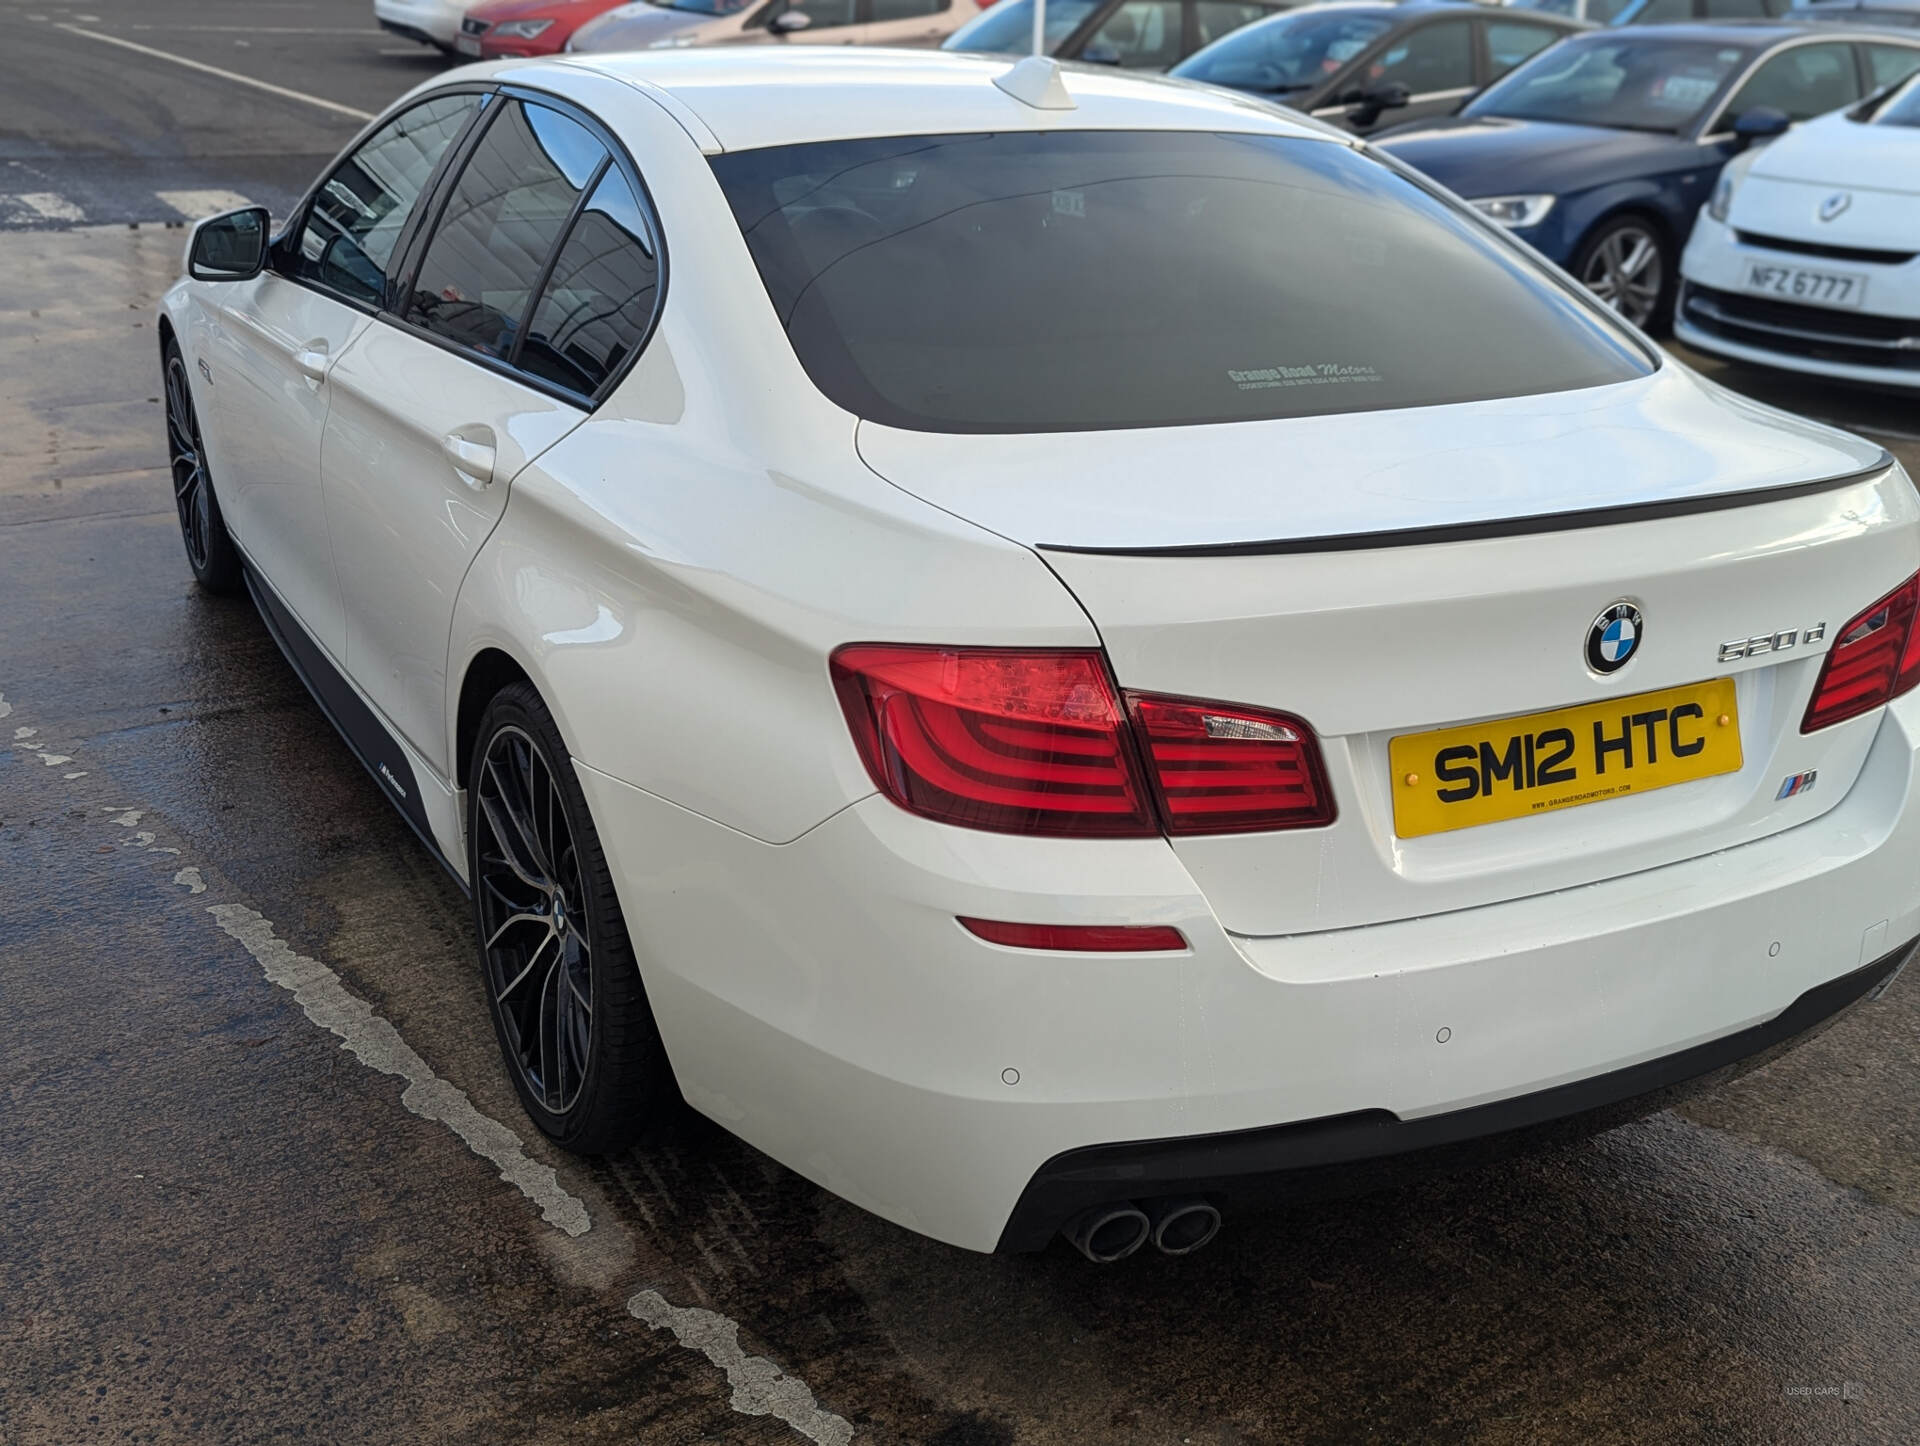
(1875, 658)
(1019, 742)
(1036, 742)
(1224, 769)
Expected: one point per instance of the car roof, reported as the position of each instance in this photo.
(754, 96)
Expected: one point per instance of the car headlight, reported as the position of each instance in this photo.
(1722, 198)
(521, 29)
(1513, 212)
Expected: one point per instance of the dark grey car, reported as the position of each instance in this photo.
(1368, 63)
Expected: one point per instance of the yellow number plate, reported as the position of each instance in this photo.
(1482, 773)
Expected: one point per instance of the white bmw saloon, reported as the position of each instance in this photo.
(1059, 652)
(1807, 257)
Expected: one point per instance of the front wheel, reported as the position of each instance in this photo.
(1627, 263)
(564, 989)
(210, 550)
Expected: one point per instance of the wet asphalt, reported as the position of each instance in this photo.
(218, 1224)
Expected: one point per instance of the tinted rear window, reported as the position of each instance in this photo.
(1070, 280)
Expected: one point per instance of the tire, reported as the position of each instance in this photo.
(210, 550)
(546, 919)
(1628, 263)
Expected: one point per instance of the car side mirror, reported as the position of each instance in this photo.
(1101, 55)
(1368, 103)
(1760, 123)
(788, 21)
(232, 247)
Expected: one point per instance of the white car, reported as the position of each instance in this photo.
(1052, 649)
(431, 22)
(1808, 255)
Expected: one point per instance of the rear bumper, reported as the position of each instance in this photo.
(1369, 1149)
(819, 1000)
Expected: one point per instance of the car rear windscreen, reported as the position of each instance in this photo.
(1074, 280)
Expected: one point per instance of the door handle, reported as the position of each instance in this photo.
(472, 460)
(312, 360)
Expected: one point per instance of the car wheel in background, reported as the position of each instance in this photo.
(1628, 264)
(562, 984)
(210, 551)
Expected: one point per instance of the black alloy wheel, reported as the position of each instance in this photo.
(562, 981)
(210, 551)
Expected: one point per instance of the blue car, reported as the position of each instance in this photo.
(1600, 151)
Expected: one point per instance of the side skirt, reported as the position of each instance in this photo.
(367, 738)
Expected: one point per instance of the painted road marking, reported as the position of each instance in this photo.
(760, 1388)
(50, 207)
(227, 75)
(373, 1041)
(198, 205)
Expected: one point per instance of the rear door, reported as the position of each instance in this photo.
(279, 335)
(532, 289)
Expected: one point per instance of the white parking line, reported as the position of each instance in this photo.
(373, 1041)
(233, 76)
(196, 205)
(50, 207)
(760, 1388)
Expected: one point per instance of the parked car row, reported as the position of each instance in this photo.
(1601, 152)
(1597, 146)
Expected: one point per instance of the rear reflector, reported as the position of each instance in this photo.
(1874, 659)
(1084, 938)
(1036, 742)
(1224, 769)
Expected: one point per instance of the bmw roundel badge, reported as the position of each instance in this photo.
(1614, 638)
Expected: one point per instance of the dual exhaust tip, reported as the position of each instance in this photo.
(1177, 1225)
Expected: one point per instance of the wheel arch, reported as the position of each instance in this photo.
(1638, 203)
(488, 671)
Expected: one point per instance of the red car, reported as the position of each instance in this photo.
(524, 27)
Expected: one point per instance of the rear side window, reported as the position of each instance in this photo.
(596, 307)
(501, 222)
(347, 238)
(1804, 81)
(1890, 64)
(1067, 280)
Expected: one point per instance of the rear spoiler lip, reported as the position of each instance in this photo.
(1503, 527)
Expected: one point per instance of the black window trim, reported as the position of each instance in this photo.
(442, 193)
(281, 250)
